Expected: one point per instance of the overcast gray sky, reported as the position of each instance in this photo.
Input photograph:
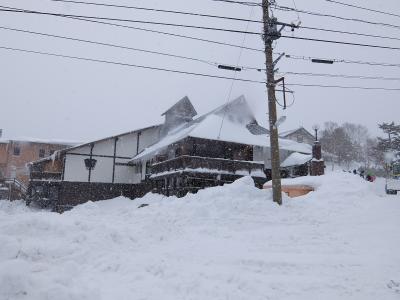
(48, 97)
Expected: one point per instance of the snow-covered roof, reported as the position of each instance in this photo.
(296, 159)
(289, 132)
(39, 141)
(227, 123)
(112, 137)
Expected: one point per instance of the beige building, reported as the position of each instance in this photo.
(300, 135)
(17, 153)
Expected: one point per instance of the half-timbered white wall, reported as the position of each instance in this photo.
(75, 169)
(127, 146)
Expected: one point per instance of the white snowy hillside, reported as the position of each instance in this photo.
(340, 242)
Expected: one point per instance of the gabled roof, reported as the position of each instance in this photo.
(226, 123)
(38, 141)
(256, 129)
(183, 105)
(290, 132)
(296, 159)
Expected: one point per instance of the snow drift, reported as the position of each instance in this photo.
(340, 242)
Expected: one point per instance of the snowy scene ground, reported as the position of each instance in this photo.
(340, 242)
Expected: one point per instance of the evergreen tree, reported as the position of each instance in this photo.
(392, 142)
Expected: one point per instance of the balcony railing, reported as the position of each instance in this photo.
(45, 176)
(13, 185)
(206, 164)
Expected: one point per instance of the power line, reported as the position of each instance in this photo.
(189, 58)
(185, 72)
(122, 47)
(149, 30)
(127, 64)
(238, 2)
(343, 87)
(214, 42)
(286, 8)
(343, 76)
(103, 44)
(340, 42)
(215, 16)
(159, 10)
(130, 21)
(228, 98)
(370, 63)
(349, 32)
(17, 10)
(364, 8)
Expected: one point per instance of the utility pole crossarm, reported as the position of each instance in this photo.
(270, 34)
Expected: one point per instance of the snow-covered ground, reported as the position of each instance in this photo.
(340, 242)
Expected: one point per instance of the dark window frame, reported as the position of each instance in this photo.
(16, 150)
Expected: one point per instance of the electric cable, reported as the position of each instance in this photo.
(286, 8)
(18, 10)
(342, 76)
(127, 64)
(345, 61)
(365, 8)
(123, 47)
(158, 32)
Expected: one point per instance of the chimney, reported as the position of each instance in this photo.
(317, 163)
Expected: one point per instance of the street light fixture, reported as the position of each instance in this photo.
(316, 128)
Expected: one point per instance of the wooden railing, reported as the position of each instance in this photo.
(14, 185)
(206, 163)
(45, 176)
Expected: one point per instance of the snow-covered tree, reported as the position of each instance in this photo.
(351, 143)
(336, 141)
(391, 143)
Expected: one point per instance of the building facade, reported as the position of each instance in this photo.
(300, 135)
(184, 154)
(17, 153)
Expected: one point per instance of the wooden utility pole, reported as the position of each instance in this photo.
(270, 34)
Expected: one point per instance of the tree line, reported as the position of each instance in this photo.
(351, 144)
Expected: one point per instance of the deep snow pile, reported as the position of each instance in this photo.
(340, 242)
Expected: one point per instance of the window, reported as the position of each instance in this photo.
(51, 152)
(41, 153)
(396, 169)
(178, 152)
(148, 168)
(300, 138)
(17, 150)
(53, 194)
(137, 168)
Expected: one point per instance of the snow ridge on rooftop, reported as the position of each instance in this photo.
(227, 123)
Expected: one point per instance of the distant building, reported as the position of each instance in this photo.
(300, 135)
(15, 154)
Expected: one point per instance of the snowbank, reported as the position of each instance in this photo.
(231, 242)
